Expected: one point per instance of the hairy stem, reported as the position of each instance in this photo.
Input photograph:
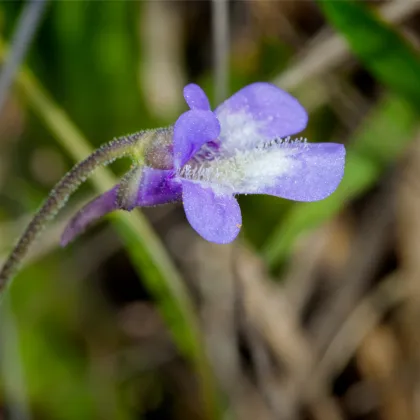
(121, 147)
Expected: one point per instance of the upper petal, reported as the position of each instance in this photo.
(314, 172)
(217, 218)
(196, 98)
(191, 131)
(258, 113)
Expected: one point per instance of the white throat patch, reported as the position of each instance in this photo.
(239, 131)
(244, 171)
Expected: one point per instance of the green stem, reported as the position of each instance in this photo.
(60, 194)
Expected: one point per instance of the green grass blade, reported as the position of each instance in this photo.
(385, 53)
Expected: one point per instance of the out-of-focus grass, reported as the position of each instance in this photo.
(381, 49)
(49, 350)
(147, 253)
(384, 135)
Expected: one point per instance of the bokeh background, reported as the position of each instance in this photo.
(313, 313)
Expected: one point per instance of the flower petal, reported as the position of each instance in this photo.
(158, 186)
(196, 98)
(192, 130)
(217, 218)
(258, 113)
(94, 210)
(314, 172)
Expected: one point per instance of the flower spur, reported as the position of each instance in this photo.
(207, 158)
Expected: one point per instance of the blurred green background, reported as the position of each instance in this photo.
(119, 324)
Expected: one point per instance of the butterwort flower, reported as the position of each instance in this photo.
(208, 157)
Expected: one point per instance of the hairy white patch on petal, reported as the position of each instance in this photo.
(239, 131)
(245, 171)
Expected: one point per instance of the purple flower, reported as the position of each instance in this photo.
(243, 147)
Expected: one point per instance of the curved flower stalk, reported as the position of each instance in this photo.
(131, 145)
(243, 147)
